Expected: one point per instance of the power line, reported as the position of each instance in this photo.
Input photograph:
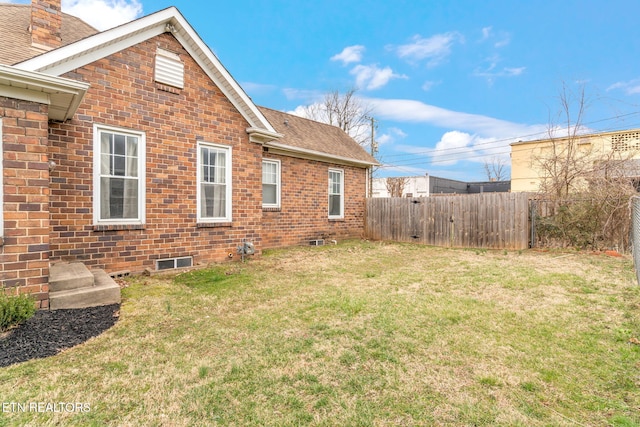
(465, 149)
(453, 154)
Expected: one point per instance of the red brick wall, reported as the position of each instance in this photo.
(304, 204)
(24, 253)
(46, 23)
(124, 94)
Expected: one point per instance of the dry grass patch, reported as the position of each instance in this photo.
(368, 334)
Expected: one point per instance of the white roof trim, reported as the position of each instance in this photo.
(261, 136)
(62, 95)
(87, 50)
(314, 155)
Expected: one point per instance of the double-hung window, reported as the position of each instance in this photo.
(270, 183)
(336, 193)
(119, 175)
(214, 183)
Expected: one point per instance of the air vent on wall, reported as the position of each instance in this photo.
(169, 69)
(170, 263)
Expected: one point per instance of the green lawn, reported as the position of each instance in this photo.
(358, 334)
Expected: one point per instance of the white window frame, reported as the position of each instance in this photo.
(277, 184)
(97, 131)
(331, 193)
(1, 185)
(228, 183)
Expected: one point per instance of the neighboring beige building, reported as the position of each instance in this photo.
(527, 156)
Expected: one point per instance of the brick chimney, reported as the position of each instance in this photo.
(46, 24)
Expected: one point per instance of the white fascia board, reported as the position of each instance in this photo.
(210, 63)
(85, 51)
(261, 136)
(61, 94)
(288, 150)
(92, 48)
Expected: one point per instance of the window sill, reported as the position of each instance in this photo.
(271, 209)
(214, 225)
(116, 227)
(336, 219)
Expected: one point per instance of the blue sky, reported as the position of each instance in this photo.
(451, 83)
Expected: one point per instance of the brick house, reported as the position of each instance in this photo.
(134, 149)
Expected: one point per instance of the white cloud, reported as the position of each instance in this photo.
(469, 136)
(455, 146)
(506, 39)
(258, 88)
(370, 77)
(392, 135)
(408, 110)
(631, 87)
(486, 33)
(435, 48)
(309, 95)
(503, 38)
(491, 71)
(103, 14)
(349, 54)
(429, 84)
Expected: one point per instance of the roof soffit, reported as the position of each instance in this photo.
(62, 95)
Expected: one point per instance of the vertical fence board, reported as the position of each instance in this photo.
(489, 220)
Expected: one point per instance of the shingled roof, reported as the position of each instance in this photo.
(315, 139)
(16, 39)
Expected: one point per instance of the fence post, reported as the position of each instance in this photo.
(635, 234)
(532, 214)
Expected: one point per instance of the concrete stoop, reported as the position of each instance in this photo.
(73, 285)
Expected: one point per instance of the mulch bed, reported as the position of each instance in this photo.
(49, 332)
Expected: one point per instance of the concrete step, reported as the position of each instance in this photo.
(65, 276)
(104, 291)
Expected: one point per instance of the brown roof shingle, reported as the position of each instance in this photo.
(309, 135)
(16, 39)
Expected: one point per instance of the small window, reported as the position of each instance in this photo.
(171, 263)
(270, 183)
(169, 69)
(336, 193)
(119, 174)
(214, 183)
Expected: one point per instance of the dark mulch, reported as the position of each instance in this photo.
(49, 332)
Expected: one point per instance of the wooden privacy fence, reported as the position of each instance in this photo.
(488, 220)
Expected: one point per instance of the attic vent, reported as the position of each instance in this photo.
(169, 69)
(169, 263)
(629, 141)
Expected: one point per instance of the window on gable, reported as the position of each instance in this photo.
(169, 69)
(119, 173)
(270, 183)
(336, 193)
(214, 183)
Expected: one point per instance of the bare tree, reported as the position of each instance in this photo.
(346, 111)
(587, 185)
(496, 169)
(563, 162)
(395, 186)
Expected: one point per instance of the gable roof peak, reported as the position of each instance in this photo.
(105, 43)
